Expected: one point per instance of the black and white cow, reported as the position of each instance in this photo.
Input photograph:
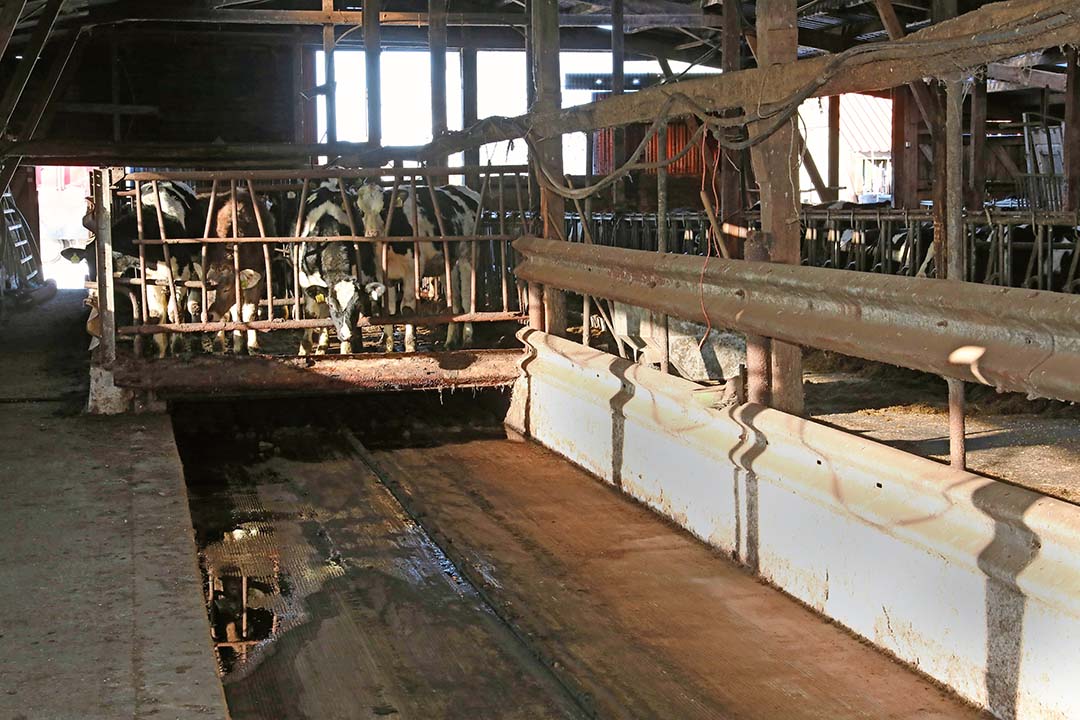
(178, 211)
(333, 285)
(458, 207)
(222, 262)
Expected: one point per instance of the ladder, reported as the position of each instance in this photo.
(19, 269)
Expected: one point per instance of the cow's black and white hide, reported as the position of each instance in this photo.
(177, 206)
(222, 262)
(458, 207)
(333, 285)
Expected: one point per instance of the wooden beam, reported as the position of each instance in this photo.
(373, 70)
(26, 66)
(731, 197)
(72, 48)
(977, 160)
(56, 152)
(991, 33)
(545, 43)
(437, 50)
(1072, 129)
(150, 12)
(777, 169)
(618, 87)
(1026, 77)
(329, 43)
(923, 96)
(834, 150)
(470, 106)
(9, 18)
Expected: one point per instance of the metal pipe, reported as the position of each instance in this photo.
(319, 174)
(271, 325)
(954, 250)
(1020, 340)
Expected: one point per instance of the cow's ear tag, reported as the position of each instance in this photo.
(249, 279)
(320, 298)
(399, 201)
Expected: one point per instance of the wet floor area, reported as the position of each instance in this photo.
(398, 555)
(325, 599)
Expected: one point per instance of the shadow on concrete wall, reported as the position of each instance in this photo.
(1014, 547)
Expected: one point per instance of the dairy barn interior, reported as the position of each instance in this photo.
(540, 359)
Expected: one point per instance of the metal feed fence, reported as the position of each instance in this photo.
(494, 293)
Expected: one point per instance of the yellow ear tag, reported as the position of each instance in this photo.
(400, 201)
(320, 298)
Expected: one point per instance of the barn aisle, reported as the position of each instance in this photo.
(100, 614)
(637, 617)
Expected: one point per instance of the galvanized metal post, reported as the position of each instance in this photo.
(955, 247)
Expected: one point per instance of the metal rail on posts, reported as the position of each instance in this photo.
(488, 227)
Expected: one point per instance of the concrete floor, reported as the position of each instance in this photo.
(557, 596)
(100, 610)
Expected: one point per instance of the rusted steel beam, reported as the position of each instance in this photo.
(993, 32)
(1014, 339)
(216, 375)
(437, 53)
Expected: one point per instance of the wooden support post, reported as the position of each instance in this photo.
(470, 107)
(437, 48)
(25, 67)
(9, 18)
(373, 69)
(331, 83)
(977, 160)
(618, 86)
(545, 42)
(103, 216)
(299, 119)
(940, 10)
(1072, 129)
(731, 197)
(777, 168)
(955, 247)
(662, 235)
(834, 150)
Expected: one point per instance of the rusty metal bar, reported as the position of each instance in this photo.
(502, 243)
(266, 248)
(204, 251)
(141, 233)
(272, 325)
(445, 244)
(662, 235)
(1020, 340)
(416, 243)
(954, 250)
(473, 249)
(215, 375)
(318, 174)
(171, 302)
(325, 239)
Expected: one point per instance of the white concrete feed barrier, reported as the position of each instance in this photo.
(973, 582)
